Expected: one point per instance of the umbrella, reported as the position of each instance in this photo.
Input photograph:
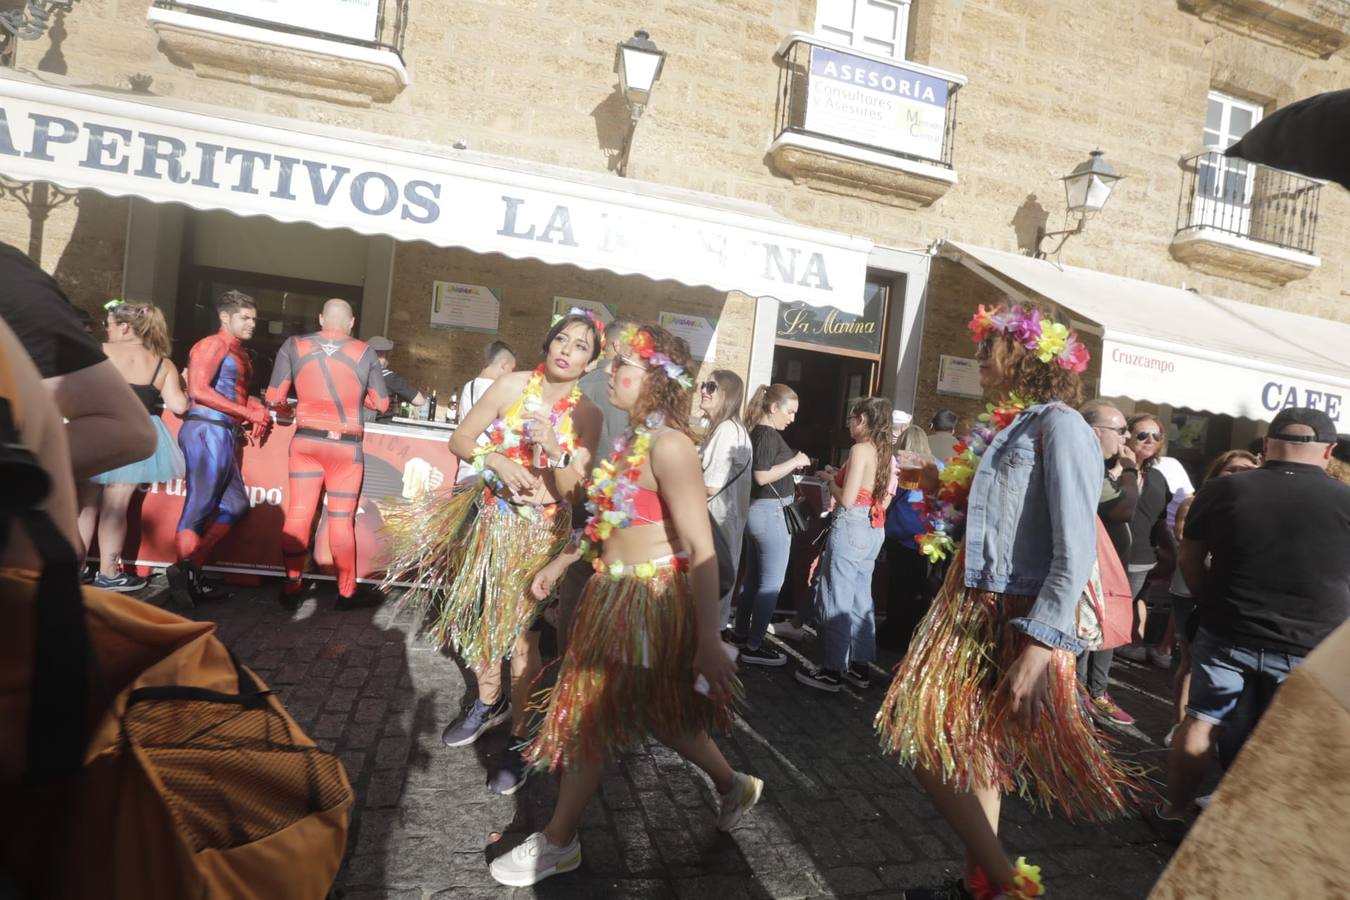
(1311, 137)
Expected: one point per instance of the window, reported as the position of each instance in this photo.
(874, 26)
(1224, 192)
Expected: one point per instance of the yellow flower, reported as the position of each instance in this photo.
(644, 570)
(1052, 340)
(616, 570)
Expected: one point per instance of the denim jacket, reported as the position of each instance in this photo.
(1030, 525)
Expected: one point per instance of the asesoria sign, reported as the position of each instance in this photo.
(356, 19)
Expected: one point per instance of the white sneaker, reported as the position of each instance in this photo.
(787, 630)
(744, 793)
(534, 860)
(1171, 733)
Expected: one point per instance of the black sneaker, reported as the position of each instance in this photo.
(366, 597)
(858, 676)
(122, 583)
(820, 679)
(291, 595)
(508, 772)
(478, 719)
(180, 585)
(955, 890)
(762, 656)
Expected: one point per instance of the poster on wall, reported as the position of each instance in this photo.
(355, 19)
(959, 377)
(879, 104)
(605, 312)
(700, 333)
(465, 307)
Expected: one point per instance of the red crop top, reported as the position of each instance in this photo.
(649, 507)
(864, 498)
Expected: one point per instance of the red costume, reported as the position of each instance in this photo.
(334, 376)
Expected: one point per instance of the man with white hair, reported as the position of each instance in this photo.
(334, 376)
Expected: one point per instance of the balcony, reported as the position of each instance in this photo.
(341, 52)
(1311, 27)
(864, 125)
(1240, 220)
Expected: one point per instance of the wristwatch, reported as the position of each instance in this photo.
(563, 461)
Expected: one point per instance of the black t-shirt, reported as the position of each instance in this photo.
(34, 306)
(770, 450)
(1153, 497)
(1118, 531)
(1279, 539)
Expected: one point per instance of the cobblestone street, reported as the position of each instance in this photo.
(837, 820)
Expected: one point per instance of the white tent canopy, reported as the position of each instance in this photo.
(129, 144)
(1174, 346)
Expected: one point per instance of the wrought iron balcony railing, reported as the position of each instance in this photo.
(892, 107)
(1246, 200)
(383, 39)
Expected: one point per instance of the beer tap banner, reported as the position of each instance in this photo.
(401, 464)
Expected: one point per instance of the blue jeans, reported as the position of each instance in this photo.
(844, 589)
(1231, 686)
(769, 544)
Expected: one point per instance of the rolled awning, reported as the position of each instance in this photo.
(1174, 346)
(130, 144)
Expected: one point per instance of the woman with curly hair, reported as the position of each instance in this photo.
(470, 555)
(986, 701)
(861, 491)
(645, 658)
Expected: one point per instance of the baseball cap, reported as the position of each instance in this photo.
(900, 418)
(380, 344)
(1324, 430)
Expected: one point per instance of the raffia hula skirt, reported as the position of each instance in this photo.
(628, 672)
(944, 711)
(470, 557)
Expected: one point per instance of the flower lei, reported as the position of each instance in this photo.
(610, 497)
(945, 511)
(1051, 341)
(507, 435)
(640, 342)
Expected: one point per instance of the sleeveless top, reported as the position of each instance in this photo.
(149, 395)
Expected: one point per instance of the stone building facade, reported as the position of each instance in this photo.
(1036, 86)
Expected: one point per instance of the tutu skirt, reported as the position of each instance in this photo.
(944, 711)
(165, 464)
(471, 558)
(627, 675)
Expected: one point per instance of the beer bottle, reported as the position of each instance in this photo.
(452, 413)
(431, 407)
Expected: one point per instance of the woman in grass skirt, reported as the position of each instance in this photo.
(472, 554)
(644, 658)
(138, 345)
(986, 701)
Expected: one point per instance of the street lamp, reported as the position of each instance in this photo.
(638, 62)
(1086, 190)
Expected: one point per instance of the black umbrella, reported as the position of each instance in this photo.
(1311, 137)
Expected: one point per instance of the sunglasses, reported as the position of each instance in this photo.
(1123, 430)
(1142, 436)
(626, 361)
(708, 387)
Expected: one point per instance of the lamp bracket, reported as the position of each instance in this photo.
(1042, 234)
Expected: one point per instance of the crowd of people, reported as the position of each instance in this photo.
(588, 498)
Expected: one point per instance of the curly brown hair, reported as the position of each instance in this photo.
(1339, 470)
(1028, 377)
(875, 413)
(659, 393)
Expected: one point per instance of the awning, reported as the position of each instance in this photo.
(131, 144)
(1174, 346)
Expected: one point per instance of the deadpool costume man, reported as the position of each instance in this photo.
(334, 375)
(219, 371)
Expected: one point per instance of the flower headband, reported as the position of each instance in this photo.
(579, 311)
(640, 341)
(113, 306)
(1048, 339)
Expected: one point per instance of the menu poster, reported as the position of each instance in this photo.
(701, 333)
(465, 307)
(959, 377)
(605, 312)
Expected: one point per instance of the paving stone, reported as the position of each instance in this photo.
(340, 699)
(851, 880)
(352, 676)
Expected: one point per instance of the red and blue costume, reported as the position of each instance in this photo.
(334, 375)
(219, 372)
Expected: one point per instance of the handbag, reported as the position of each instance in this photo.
(796, 515)
(1106, 608)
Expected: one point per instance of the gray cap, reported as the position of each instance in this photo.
(380, 344)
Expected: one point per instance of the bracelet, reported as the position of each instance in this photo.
(563, 461)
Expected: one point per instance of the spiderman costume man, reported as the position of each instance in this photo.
(219, 372)
(334, 375)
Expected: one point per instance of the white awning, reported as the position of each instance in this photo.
(130, 144)
(1185, 349)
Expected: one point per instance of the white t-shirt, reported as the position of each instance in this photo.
(727, 454)
(1179, 485)
(470, 394)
